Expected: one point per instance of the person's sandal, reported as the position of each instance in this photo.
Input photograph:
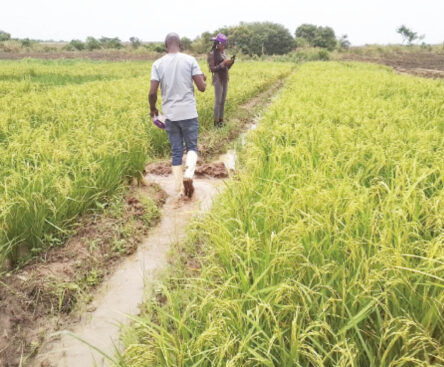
(219, 123)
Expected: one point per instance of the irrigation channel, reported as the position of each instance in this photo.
(125, 290)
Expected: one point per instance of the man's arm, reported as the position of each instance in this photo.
(199, 80)
(152, 98)
(212, 64)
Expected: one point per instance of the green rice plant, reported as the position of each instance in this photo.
(327, 248)
(70, 132)
(26, 75)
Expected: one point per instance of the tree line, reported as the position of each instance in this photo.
(267, 38)
(256, 38)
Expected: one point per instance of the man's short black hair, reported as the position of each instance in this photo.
(172, 38)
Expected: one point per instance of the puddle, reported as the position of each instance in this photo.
(124, 291)
(229, 160)
(230, 157)
(252, 126)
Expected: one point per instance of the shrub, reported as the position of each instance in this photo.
(75, 45)
(4, 36)
(26, 42)
(107, 42)
(323, 55)
(135, 42)
(92, 44)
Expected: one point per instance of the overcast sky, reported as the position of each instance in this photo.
(364, 21)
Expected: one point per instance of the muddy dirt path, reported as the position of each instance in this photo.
(123, 292)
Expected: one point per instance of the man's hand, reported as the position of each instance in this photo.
(152, 98)
(199, 80)
(204, 77)
(154, 112)
(228, 62)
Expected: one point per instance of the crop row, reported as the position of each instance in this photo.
(67, 146)
(327, 248)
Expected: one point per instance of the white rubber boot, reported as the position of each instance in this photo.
(178, 177)
(190, 166)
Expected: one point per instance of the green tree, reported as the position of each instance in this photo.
(274, 39)
(155, 46)
(4, 36)
(240, 39)
(159, 47)
(307, 32)
(135, 42)
(26, 42)
(314, 36)
(92, 44)
(325, 38)
(202, 44)
(407, 34)
(76, 45)
(185, 43)
(258, 38)
(114, 42)
(301, 42)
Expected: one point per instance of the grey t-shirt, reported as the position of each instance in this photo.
(175, 71)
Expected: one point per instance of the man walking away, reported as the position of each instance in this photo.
(175, 72)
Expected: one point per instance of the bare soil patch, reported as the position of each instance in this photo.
(427, 64)
(214, 169)
(38, 298)
(158, 168)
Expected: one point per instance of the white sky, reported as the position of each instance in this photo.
(365, 21)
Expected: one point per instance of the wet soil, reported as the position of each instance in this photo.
(425, 64)
(208, 170)
(40, 297)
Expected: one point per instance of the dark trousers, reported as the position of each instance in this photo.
(220, 95)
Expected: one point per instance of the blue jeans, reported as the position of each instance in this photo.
(178, 132)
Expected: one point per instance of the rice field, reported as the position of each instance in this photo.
(71, 131)
(327, 248)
